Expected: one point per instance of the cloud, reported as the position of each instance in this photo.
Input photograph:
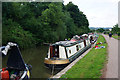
(100, 13)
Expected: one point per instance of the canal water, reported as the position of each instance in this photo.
(35, 57)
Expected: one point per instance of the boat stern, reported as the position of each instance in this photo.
(60, 63)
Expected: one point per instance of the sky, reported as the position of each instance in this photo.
(100, 13)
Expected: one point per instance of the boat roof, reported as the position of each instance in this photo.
(85, 35)
(75, 40)
(66, 43)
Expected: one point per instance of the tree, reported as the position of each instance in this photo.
(71, 28)
(41, 22)
(116, 29)
(52, 19)
(13, 32)
(79, 18)
(101, 30)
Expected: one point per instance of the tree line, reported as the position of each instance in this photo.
(33, 23)
(116, 30)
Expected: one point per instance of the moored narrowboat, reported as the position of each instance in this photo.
(16, 69)
(61, 53)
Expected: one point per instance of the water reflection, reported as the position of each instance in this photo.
(35, 57)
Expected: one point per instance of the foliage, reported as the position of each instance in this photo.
(100, 30)
(79, 18)
(52, 19)
(119, 34)
(13, 32)
(116, 37)
(71, 28)
(41, 22)
(116, 30)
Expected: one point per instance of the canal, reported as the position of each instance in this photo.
(35, 57)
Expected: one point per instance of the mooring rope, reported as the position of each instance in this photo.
(53, 70)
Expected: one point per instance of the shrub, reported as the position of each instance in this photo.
(13, 32)
(118, 33)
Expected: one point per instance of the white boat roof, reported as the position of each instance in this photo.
(85, 35)
(66, 43)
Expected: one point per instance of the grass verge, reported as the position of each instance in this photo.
(91, 65)
(116, 37)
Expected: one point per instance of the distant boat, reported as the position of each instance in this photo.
(16, 68)
(61, 53)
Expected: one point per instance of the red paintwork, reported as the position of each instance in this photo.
(5, 75)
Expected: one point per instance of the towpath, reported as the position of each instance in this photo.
(112, 65)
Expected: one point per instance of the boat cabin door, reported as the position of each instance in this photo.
(84, 42)
(54, 51)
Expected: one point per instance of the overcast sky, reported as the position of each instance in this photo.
(100, 13)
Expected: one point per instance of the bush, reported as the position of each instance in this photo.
(118, 33)
(13, 32)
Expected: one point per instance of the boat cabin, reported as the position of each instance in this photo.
(65, 49)
(64, 52)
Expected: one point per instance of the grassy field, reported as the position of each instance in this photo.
(116, 37)
(91, 65)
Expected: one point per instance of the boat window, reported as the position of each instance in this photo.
(70, 51)
(85, 43)
(77, 47)
(91, 39)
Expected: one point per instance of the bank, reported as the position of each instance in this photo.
(91, 65)
(116, 37)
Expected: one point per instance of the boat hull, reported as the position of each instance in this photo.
(56, 66)
(80, 52)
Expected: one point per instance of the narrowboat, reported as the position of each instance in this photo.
(16, 68)
(61, 53)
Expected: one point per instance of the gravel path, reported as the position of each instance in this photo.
(112, 65)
